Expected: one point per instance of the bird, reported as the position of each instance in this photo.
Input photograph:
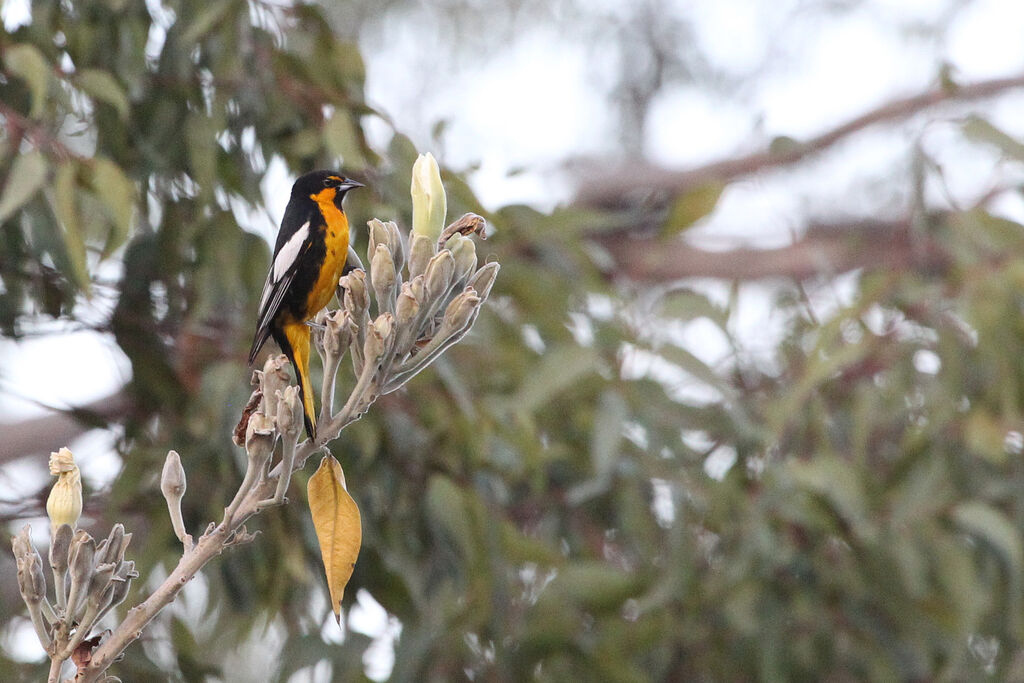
(309, 258)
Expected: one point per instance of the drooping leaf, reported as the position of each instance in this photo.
(27, 176)
(65, 187)
(338, 527)
(102, 86)
(29, 64)
(117, 193)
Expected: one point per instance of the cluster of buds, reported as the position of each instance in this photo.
(428, 293)
(89, 578)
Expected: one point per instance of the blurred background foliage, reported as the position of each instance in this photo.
(570, 493)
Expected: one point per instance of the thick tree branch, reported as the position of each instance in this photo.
(608, 188)
(825, 250)
(50, 432)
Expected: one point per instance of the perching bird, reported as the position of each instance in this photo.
(309, 258)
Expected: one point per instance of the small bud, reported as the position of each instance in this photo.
(64, 506)
(378, 235)
(112, 548)
(31, 581)
(421, 250)
(99, 581)
(289, 413)
(121, 582)
(439, 273)
(259, 439)
(464, 252)
(275, 378)
(60, 544)
(81, 560)
(483, 279)
(172, 479)
(396, 243)
(407, 306)
(340, 329)
(459, 311)
(357, 298)
(429, 202)
(377, 336)
(382, 271)
(21, 542)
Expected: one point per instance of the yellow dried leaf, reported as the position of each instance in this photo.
(338, 527)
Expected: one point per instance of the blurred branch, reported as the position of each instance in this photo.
(607, 187)
(50, 432)
(825, 250)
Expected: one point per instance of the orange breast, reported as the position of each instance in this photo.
(336, 239)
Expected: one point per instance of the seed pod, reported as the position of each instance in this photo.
(59, 546)
(460, 310)
(275, 378)
(382, 272)
(357, 298)
(259, 440)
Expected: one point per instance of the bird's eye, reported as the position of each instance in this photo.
(328, 182)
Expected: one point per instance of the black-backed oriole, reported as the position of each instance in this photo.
(309, 257)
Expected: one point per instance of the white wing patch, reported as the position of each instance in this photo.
(289, 252)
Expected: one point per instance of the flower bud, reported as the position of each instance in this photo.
(357, 298)
(421, 250)
(377, 336)
(459, 311)
(418, 288)
(382, 272)
(439, 273)
(172, 479)
(340, 329)
(464, 252)
(112, 548)
(429, 202)
(275, 378)
(99, 581)
(81, 559)
(378, 235)
(64, 506)
(483, 279)
(121, 582)
(60, 544)
(259, 439)
(289, 413)
(407, 305)
(31, 582)
(396, 243)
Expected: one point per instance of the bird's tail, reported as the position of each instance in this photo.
(294, 342)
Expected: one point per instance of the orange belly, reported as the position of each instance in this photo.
(336, 240)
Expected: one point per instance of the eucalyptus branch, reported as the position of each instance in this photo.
(426, 296)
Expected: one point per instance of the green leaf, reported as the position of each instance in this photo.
(607, 433)
(595, 585)
(556, 371)
(341, 140)
(201, 141)
(839, 484)
(29, 64)
(205, 20)
(102, 86)
(691, 206)
(980, 130)
(992, 526)
(447, 507)
(26, 178)
(65, 187)
(117, 193)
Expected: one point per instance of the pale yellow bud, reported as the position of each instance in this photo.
(429, 202)
(64, 506)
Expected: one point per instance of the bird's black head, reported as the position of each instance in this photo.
(324, 185)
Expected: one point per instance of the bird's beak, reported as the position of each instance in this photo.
(350, 185)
